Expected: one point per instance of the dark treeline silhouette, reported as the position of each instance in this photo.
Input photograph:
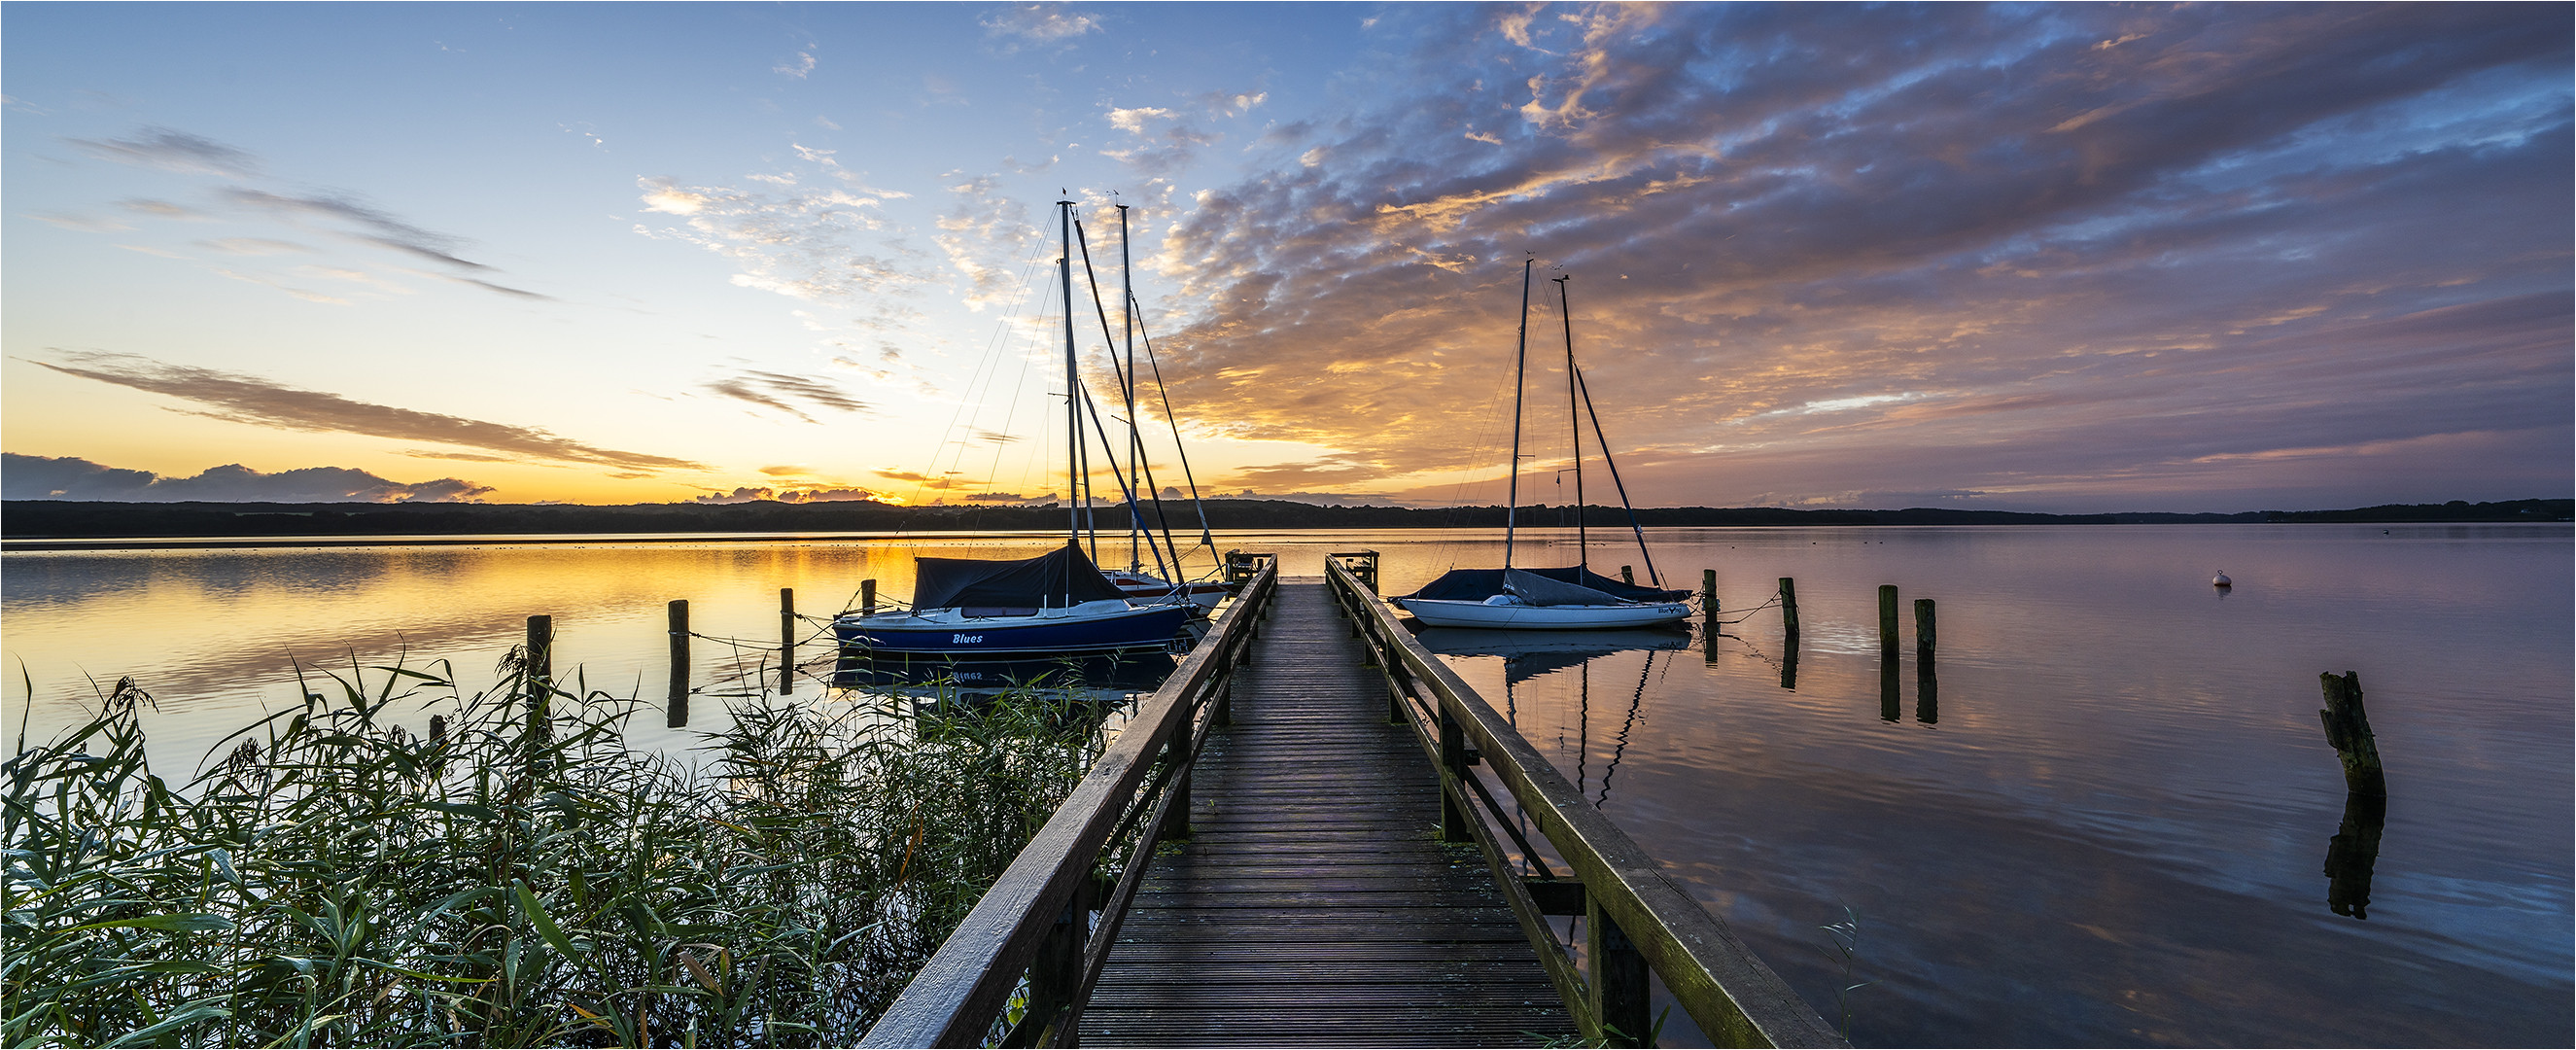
(68, 519)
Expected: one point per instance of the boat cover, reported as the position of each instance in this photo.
(1054, 580)
(1475, 585)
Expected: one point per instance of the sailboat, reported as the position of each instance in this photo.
(1570, 597)
(1057, 603)
(1134, 581)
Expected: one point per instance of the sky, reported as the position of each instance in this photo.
(2052, 258)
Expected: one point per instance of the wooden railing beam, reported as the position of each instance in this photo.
(954, 999)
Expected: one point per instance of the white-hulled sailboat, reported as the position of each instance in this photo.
(1568, 598)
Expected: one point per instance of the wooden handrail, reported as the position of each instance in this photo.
(1736, 999)
(957, 995)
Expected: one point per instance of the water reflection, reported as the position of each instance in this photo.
(932, 684)
(1528, 655)
(2352, 852)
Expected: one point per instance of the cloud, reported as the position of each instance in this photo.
(804, 243)
(1972, 252)
(756, 493)
(1044, 23)
(797, 67)
(370, 224)
(72, 478)
(781, 391)
(259, 402)
(253, 246)
(173, 151)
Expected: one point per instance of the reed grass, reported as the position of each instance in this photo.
(509, 874)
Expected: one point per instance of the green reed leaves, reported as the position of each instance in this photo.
(503, 879)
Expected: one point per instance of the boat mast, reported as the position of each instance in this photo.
(1520, 370)
(1135, 439)
(1573, 403)
(1072, 387)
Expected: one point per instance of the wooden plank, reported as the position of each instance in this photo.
(1313, 905)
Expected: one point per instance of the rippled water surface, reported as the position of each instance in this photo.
(2110, 820)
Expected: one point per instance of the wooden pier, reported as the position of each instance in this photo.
(1313, 901)
(1312, 834)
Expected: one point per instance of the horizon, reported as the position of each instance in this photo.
(2058, 260)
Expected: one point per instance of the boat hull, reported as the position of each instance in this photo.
(1442, 612)
(1144, 589)
(951, 634)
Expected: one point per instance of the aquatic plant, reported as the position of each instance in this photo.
(509, 874)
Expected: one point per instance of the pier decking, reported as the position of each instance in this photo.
(1314, 833)
(1313, 902)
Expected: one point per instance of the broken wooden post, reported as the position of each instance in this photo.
(1788, 609)
(1887, 617)
(2348, 729)
(867, 596)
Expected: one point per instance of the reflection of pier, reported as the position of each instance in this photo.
(1529, 655)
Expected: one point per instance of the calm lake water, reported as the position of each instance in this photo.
(2111, 825)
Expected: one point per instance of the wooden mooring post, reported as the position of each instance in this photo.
(1890, 705)
(1927, 686)
(2348, 729)
(677, 709)
(1788, 633)
(786, 640)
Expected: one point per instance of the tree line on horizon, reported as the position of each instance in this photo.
(68, 519)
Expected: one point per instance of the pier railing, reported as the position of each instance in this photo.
(1036, 923)
(1635, 920)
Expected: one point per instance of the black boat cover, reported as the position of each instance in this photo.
(1054, 580)
(1476, 585)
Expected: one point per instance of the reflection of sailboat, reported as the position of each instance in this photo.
(1571, 597)
(1105, 679)
(1055, 603)
(1529, 655)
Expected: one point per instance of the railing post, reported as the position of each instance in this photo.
(1055, 977)
(1453, 758)
(1618, 989)
(1176, 826)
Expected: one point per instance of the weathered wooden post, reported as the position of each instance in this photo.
(539, 686)
(867, 596)
(1055, 976)
(679, 705)
(541, 654)
(1453, 759)
(1788, 610)
(1176, 824)
(1890, 705)
(1927, 688)
(786, 640)
(1628, 575)
(2348, 729)
(1708, 588)
(1618, 991)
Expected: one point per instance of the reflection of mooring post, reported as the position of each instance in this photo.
(786, 640)
(1927, 690)
(2348, 729)
(867, 596)
(678, 708)
(2352, 852)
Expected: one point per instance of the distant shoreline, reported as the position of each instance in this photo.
(33, 525)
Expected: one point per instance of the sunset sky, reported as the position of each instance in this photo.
(2077, 258)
